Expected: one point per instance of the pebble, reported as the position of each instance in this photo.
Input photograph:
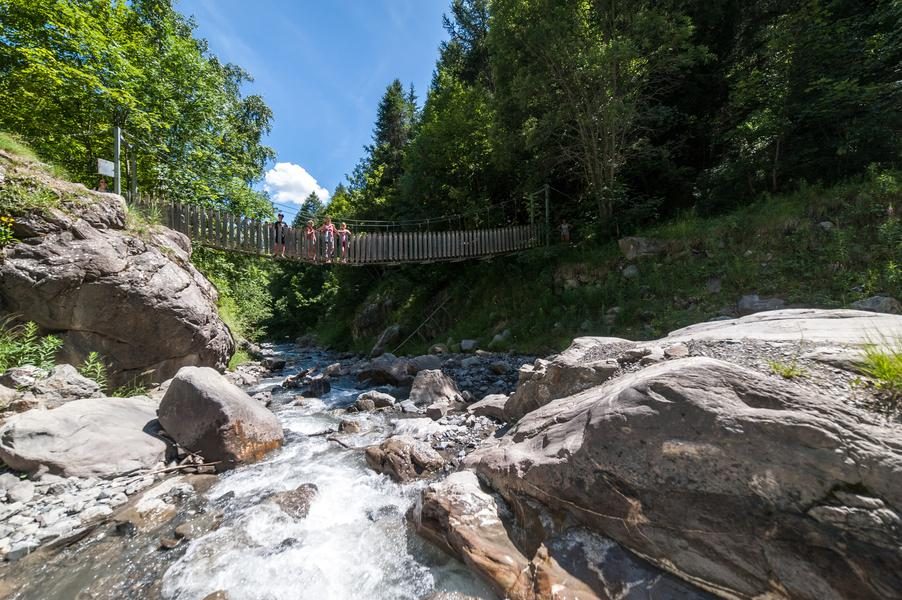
(95, 512)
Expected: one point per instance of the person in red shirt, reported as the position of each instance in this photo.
(344, 241)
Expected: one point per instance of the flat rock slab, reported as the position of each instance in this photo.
(840, 327)
(95, 437)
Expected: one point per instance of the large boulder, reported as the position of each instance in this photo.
(879, 304)
(753, 303)
(743, 484)
(637, 247)
(404, 458)
(136, 300)
(205, 413)
(387, 369)
(491, 406)
(572, 371)
(96, 437)
(432, 386)
(390, 336)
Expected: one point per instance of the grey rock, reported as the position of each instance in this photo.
(378, 399)
(316, 386)
(138, 302)
(21, 549)
(408, 407)
(389, 337)
(637, 247)
(568, 373)
(333, 370)
(468, 345)
(499, 340)
(676, 351)
(7, 397)
(387, 369)
(491, 406)
(879, 304)
(274, 363)
(716, 447)
(437, 410)
(470, 362)
(432, 386)
(102, 437)
(439, 349)
(424, 363)
(296, 503)
(23, 377)
(206, 413)
(752, 303)
(20, 491)
(95, 513)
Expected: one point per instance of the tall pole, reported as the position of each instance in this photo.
(547, 215)
(117, 174)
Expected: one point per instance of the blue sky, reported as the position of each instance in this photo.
(322, 67)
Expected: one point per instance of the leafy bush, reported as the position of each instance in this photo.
(883, 364)
(6, 231)
(94, 368)
(23, 345)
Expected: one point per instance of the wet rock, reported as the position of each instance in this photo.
(424, 363)
(168, 543)
(348, 426)
(296, 503)
(408, 407)
(317, 386)
(461, 518)
(386, 370)
(389, 337)
(364, 405)
(760, 472)
(568, 373)
(206, 413)
(404, 458)
(376, 399)
(274, 363)
(491, 406)
(434, 386)
(218, 595)
(102, 437)
(333, 370)
(752, 303)
(879, 304)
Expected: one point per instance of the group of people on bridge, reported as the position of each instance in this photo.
(333, 241)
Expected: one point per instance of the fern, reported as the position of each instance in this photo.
(94, 368)
(23, 345)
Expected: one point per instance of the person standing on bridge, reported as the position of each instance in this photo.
(310, 240)
(328, 231)
(279, 228)
(344, 241)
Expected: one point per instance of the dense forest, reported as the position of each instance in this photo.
(634, 113)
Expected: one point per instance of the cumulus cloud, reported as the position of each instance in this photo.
(288, 182)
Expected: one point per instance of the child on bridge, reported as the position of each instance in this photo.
(328, 230)
(344, 241)
(310, 241)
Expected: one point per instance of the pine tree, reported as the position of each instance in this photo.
(312, 208)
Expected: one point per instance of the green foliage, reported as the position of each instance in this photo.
(883, 364)
(138, 65)
(135, 388)
(787, 370)
(6, 230)
(23, 345)
(94, 368)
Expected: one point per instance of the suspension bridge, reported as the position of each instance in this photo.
(225, 231)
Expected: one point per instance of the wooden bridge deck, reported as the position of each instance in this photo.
(218, 229)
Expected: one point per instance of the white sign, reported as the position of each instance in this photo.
(106, 167)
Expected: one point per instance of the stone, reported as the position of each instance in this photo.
(387, 369)
(389, 337)
(879, 304)
(23, 377)
(468, 345)
(296, 503)
(497, 368)
(333, 370)
(418, 428)
(437, 410)
(713, 285)
(432, 386)
(100, 437)
(348, 426)
(7, 397)
(95, 513)
(408, 407)
(500, 340)
(491, 406)
(638, 247)
(752, 303)
(21, 549)
(568, 373)
(364, 405)
(825, 225)
(168, 543)
(470, 362)
(317, 386)
(754, 462)
(217, 595)
(404, 458)
(424, 363)
(204, 412)
(378, 399)
(137, 301)
(462, 519)
(676, 351)
(19, 491)
(630, 272)
(274, 363)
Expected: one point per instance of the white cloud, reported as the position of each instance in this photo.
(288, 182)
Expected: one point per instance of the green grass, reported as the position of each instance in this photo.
(790, 370)
(14, 145)
(883, 365)
(239, 358)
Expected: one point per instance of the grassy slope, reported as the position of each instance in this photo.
(775, 247)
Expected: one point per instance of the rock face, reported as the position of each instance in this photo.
(459, 517)
(389, 337)
(570, 372)
(743, 484)
(205, 413)
(138, 302)
(403, 458)
(97, 437)
(879, 304)
(491, 406)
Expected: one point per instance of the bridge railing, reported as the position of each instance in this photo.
(225, 231)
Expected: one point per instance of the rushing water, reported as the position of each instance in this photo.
(354, 543)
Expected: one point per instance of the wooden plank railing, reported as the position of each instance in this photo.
(222, 230)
